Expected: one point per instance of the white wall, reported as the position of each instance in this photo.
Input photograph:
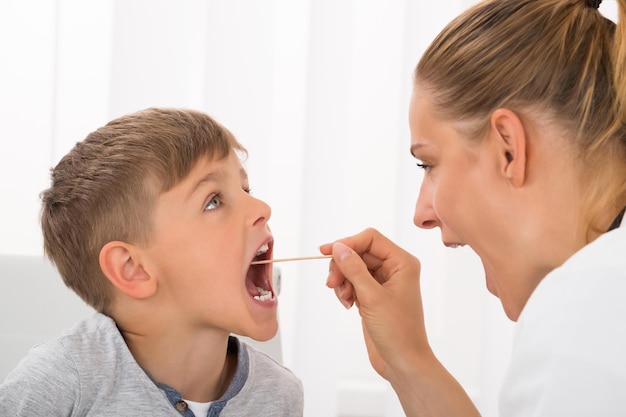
(318, 91)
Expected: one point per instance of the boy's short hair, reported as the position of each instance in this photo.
(104, 189)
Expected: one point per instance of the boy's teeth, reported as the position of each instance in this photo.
(262, 249)
(264, 295)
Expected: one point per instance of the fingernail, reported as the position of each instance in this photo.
(341, 250)
(345, 303)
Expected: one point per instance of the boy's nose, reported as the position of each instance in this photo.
(425, 215)
(261, 211)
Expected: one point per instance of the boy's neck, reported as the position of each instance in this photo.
(195, 364)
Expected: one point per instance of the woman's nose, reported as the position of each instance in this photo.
(425, 215)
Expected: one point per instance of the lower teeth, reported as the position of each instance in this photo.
(264, 295)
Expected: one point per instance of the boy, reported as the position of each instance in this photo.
(150, 221)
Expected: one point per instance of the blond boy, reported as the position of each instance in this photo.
(150, 221)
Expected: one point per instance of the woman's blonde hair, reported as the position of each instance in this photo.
(105, 188)
(558, 58)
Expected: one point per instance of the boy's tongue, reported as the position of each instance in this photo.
(258, 277)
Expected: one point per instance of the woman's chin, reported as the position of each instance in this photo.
(491, 288)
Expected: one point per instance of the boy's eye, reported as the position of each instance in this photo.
(214, 202)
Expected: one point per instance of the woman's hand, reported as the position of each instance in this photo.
(383, 280)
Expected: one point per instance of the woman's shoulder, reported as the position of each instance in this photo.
(570, 339)
(578, 309)
(594, 275)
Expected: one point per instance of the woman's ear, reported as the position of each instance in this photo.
(121, 264)
(510, 139)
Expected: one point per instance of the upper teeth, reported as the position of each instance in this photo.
(262, 249)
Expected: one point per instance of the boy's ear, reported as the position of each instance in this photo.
(120, 263)
(510, 138)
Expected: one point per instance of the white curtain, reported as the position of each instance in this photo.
(318, 92)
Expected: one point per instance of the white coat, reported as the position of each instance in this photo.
(569, 352)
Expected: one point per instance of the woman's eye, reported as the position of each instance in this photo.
(214, 202)
(423, 166)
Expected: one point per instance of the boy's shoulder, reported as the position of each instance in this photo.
(74, 348)
(269, 387)
(261, 365)
(88, 367)
(89, 345)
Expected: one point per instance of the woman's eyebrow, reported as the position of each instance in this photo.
(243, 173)
(415, 147)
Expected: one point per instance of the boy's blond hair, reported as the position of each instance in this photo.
(105, 188)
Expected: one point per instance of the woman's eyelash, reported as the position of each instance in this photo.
(423, 166)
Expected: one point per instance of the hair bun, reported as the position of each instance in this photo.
(594, 3)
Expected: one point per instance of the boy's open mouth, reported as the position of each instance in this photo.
(258, 278)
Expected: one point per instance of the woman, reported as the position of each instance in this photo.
(518, 117)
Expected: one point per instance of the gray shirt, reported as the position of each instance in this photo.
(89, 371)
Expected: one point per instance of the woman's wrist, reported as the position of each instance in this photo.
(426, 388)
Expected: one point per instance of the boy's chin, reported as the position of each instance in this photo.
(263, 334)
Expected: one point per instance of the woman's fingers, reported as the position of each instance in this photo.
(383, 280)
(345, 294)
(381, 256)
(349, 264)
(362, 264)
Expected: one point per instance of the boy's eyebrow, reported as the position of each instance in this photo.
(212, 177)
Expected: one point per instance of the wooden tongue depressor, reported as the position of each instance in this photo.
(301, 258)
